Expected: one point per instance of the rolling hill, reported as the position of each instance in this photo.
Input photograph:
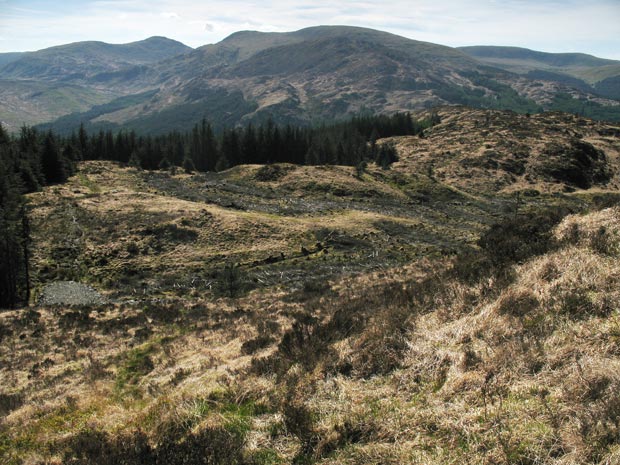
(459, 307)
(308, 76)
(82, 61)
(9, 57)
(38, 87)
(588, 73)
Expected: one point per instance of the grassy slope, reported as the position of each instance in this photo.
(410, 365)
(30, 102)
(500, 151)
(376, 351)
(587, 67)
(122, 229)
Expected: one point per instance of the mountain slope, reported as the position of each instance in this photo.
(307, 76)
(590, 73)
(9, 57)
(532, 59)
(315, 74)
(329, 72)
(82, 60)
(38, 87)
(35, 102)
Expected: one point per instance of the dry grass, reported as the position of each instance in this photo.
(159, 235)
(502, 152)
(408, 364)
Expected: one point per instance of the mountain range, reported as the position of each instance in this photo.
(308, 76)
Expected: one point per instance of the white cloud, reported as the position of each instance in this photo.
(169, 15)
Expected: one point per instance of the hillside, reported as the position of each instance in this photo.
(530, 59)
(321, 73)
(83, 60)
(309, 314)
(9, 57)
(329, 72)
(39, 87)
(449, 184)
(35, 102)
(308, 76)
(589, 73)
(504, 152)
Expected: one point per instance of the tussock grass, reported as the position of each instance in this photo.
(498, 357)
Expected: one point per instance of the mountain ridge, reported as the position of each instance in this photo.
(593, 74)
(549, 58)
(315, 74)
(99, 56)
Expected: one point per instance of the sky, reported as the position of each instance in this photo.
(590, 26)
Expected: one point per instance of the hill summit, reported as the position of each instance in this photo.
(315, 74)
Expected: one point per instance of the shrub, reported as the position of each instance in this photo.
(519, 238)
(231, 280)
(268, 173)
(602, 242)
(213, 445)
(10, 402)
(518, 302)
(254, 345)
(300, 421)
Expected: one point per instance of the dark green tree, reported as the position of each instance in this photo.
(52, 163)
(14, 237)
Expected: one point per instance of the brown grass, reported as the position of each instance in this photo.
(409, 364)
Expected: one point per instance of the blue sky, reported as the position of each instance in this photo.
(591, 26)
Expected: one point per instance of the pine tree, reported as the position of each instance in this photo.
(386, 155)
(14, 238)
(208, 146)
(249, 146)
(222, 163)
(165, 164)
(188, 165)
(135, 160)
(231, 149)
(52, 164)
(83, 142)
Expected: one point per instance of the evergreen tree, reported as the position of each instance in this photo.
(249, 146)
(83, 143)
(208, 145)
(231, 149)
(188, 165)
(164, 164)
(52, 164)
(386, 155)
(312, 155)
(14, 237)
(135, 160)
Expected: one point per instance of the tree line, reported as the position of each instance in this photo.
(33, 159)
(28, 162)
(202, 149)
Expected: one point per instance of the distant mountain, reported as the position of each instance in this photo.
(83, 60)
(523, 58)
(9, 57)
(38, 87)
(589, 73)
(329, 72)
(307, 76)
(315, 74)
